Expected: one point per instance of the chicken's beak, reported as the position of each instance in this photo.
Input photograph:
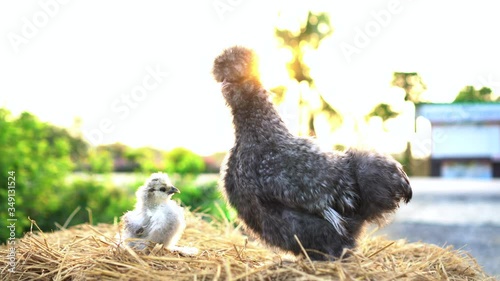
(173, 190)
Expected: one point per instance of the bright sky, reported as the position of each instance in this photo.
(138, 72)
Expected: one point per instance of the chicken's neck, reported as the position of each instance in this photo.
(256, 121)
(150, 205)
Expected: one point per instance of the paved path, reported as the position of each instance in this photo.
(462, 213)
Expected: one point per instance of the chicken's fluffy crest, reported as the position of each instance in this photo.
(236, 64)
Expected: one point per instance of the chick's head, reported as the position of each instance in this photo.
(157, 188)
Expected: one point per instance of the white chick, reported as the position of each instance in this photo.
(156, 218)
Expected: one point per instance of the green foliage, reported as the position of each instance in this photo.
(120, 158)
(125, 159)
(41, 155)
(383, 111)
(40, 158)
(100, 161)
(204, 197)
(98, 199)
(146, 159)
(471, 94)
(183, 161)
(78, 146)
(332, 114)
(411, 83)
(313, 30)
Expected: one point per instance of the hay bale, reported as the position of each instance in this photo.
(86, 252)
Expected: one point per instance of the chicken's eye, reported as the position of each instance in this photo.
(163, 189)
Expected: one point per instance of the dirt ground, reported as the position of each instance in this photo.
(462, 213)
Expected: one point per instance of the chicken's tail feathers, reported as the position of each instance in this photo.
(235, 64)
(407, 192)
(382, 183)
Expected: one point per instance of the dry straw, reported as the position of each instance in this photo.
(86, 252)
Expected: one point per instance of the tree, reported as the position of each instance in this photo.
(411, 83)
(125, 159)
(383, 111)
(183, 161)
(413, 86)
(100, 161)
(149, 160)
(471, 94)
(312, 32)
(78, 147)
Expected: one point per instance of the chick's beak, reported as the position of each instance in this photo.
(173, 190)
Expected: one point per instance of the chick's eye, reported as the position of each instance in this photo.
(163, 189)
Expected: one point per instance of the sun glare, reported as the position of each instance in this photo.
(272, 67)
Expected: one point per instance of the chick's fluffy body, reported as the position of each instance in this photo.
(284, 186)
(156, 218)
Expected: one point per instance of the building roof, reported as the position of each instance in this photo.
(460, 112)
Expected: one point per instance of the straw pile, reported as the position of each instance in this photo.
(86, 252)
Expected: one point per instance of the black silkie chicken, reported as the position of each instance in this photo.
(282, 185)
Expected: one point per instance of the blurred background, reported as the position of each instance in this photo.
(96, 95)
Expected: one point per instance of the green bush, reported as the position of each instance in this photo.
(40, 158)
(100, 161)
(183, 161)
(43, 157)
(204, 197)
(99, 201)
